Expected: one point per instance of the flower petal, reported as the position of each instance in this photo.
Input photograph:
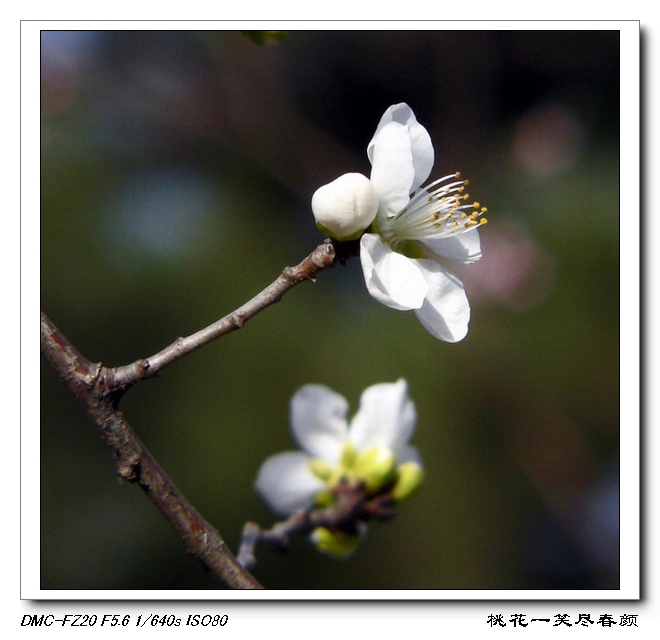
(409, 454)
(318, 421)
(286, 482)
(386, 417)
(392, 172)
(463, 248)
(420, 141)
(393, 279)
(445, 313)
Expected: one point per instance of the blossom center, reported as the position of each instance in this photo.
(371, 468)
(440, 210)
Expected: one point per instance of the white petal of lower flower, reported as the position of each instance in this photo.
(318, 421)
(446, 312)
(386, 417)
(409, 453)
(393, 279)
(286, 482)
(464, 248)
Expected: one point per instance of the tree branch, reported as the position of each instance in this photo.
(100, 388)
(89, 383)
(323, 257)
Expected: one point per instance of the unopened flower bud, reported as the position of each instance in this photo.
(345, 207)
(334, 542)
(410, 477)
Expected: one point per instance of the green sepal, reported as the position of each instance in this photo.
(321, 469)
(410, 476)
(334, 542)
(349, 455)
(326, 232)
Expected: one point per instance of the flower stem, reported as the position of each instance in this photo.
(352, 509)
(323, 257)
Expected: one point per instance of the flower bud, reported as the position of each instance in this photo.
(334, 542)
(345, 207)
(410, 477)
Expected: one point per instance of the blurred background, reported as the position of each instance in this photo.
(177, 171)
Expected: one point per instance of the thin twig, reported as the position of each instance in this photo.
(323, 257)
(349, 513)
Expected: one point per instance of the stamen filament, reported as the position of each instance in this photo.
(440, 209)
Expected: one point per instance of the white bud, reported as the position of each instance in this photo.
(345, 207)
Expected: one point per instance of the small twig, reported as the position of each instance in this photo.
(353, 507)
(323, 257)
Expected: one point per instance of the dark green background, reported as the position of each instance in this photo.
(177, 170)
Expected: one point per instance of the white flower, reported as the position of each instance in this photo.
(345, 207)
(372, 449)
(415, 228)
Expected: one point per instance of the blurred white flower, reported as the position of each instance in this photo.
(371, 453)
(415, 228)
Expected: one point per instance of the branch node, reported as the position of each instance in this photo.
(289, 274)
(143, 365)
(129, 469)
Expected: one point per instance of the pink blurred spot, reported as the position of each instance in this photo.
(514, 271)
(548, 140)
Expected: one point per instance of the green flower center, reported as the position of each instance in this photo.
(372, 468)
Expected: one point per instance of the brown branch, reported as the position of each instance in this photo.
(323, 257)
(91, 384)
(100, 388)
